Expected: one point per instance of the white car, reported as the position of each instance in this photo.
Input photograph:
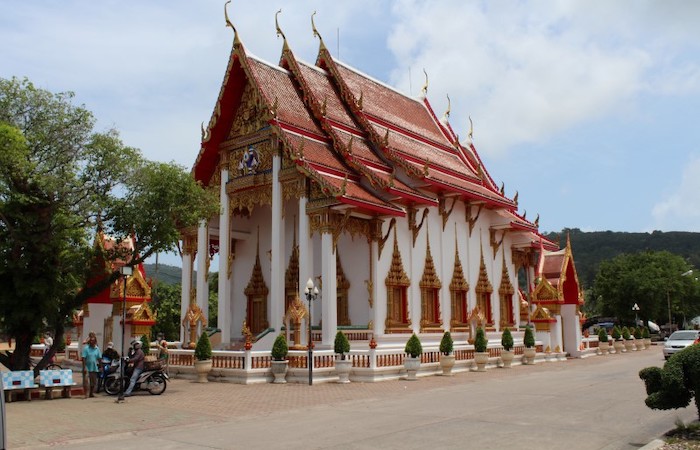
(678, 341)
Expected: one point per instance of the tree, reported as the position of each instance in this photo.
(59, 182)
(649, 279)
(167, 309)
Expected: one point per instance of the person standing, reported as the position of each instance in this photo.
(137, 360)
(91, 356)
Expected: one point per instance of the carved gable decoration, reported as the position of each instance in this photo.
(256, 285)
(250, 115)
(506, 288)
(297, 311)
(545, 292)
(342, 283)
(291, 276)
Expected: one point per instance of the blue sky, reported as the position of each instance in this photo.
(589, 109)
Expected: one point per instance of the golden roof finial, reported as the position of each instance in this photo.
(315, 31)
(537, 221)
(449, 107)
(471, 128)
(228, 22)
(277, 26)
(515, 198)
(425, 86)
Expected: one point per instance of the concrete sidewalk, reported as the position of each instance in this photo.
(594, 403)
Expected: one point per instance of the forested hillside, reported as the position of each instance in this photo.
(590, 248)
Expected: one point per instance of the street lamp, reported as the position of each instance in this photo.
(311, 294)
(635, 308)
(125, 271)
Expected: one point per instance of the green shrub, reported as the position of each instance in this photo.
(279, 348)
(446, 344)
(645, 333)
(507, 339)
(146, 345)
(529, 338)
(341, 345)
(480, 342)
(602, 335)
(674, 385)
(637, 333)
(413, 346)
(616, 334)
(626, 333)
(202, 351)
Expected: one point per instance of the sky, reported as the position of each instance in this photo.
(589, 109)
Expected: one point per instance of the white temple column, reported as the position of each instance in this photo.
(277, 249)
(224, 307)
(186, 282)
(378, 306)
(202, 256)
(306, 262)
(329, 306)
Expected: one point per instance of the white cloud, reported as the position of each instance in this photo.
(680, 210)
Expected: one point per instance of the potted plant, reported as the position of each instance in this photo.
(343, 365)
(647, 337)
(603, 344)
(638, 341)
(627, 337)
(618, 343)
(481, 355)
(447, 357)
(202, 356)
(279, 359)
(529, 341)
(412, 362)
(507, 352)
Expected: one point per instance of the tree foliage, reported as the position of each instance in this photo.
(677, 383)
(59, 181)
(167, 307)
(649, 279)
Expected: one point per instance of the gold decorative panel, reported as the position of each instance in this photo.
(343, 285)
(430, 285)
(397, 283)
(458, 294)
(483, 292)
(256, 293)
(506, 292)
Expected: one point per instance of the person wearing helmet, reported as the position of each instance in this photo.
(136, 360)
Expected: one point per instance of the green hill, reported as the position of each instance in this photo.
(165, 274)
(590, 248)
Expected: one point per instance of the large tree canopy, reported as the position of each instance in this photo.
(60, 181)
(652, 280)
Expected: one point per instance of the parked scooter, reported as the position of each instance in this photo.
(107, 366)
(153, 380)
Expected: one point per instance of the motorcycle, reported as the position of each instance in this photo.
(107, 367)
(153, 379)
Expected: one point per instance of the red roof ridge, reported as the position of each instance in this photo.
(371, 78)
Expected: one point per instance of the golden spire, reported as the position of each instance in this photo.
(228, 22)
(447, 113)
(315, 31)
(277, 26)
(471, 129)
(424, 89)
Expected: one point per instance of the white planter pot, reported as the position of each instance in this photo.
(203, 368)
(447, 362)
(647, 343)
(279, 370)
(619, 347)
(412, 365)
(629, 345)
(342, 368)
(604, 348)
(639, 344)
(529, 355)
(507, 358)
(481, 359)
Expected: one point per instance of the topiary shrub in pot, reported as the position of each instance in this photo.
(412, 362)
(507, 344)
(647, 337)
(618, 343)
(481, 355)
(628, 339)
(279, 361)
(447, 357)
(529, 341)
(638, 340)
(343, 365)
(603, 344)
(146, 345)
(202, 356)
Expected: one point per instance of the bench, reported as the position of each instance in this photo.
(51, 379)
(18, 381)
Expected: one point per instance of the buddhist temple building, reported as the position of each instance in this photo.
(325, 173)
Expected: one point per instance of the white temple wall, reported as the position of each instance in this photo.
(571, 328)
(382, 263)
(96, 322)
(319, 261)
(446, 256)
(354, 257)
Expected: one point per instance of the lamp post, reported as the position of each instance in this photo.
(635, 308)
(311, 294)
(125, 271)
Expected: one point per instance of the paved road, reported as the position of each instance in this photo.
(595, 403)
